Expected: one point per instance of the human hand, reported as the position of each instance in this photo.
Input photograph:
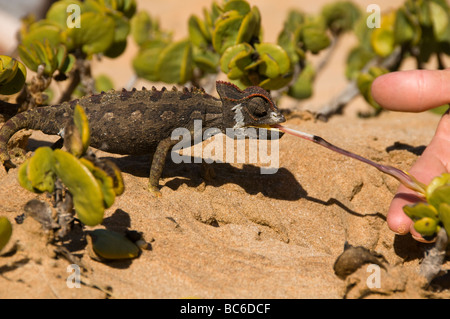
(417, 91)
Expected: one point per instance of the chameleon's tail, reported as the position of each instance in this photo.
(36, 119)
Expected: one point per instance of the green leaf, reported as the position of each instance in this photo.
(440, 15)
(424, 13)
(268, 66)
(226, 33)
(303, 86)
(237, 5)
(235, 59)
(420, 210)
(127, 7)
(294, 19)
(58, 14)
(5, 231)
(286, 41)
(8, 68)
(250, 26)
(426, 226)
(274, 53)
(40, 170)
(103, 83)
(356, 60)
(444, 216)
(46, 56)
(439, 196)
(121, 31)
(438, 181)
(12, 75)
(175, 63)
(141, 27)
(23, 179)
(315, 37)
(87, 194)
(81, 122)
(65, 61)
(197, 32)
(341, 16)
(383, 39)
(92, 38)
(39, 32)
(406, 30)
(145, 62)
(206, 60)
(105, 182)
(275, 83)
(28, 57)
(111, 245)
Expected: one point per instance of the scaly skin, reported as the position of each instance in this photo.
(141, 122)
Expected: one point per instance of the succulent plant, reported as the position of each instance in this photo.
(341, 16)
(429, 216)
(12, 75)
(5, 231)
(364, 82)
(93, 183)
(107, 245)
(77, 133)
(81, 183)
(105, 27)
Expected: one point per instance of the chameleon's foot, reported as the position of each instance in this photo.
(154, 190)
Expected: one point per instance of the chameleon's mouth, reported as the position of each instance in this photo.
(270, 127)
(272, 132)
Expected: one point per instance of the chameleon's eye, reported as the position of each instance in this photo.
(257, 106)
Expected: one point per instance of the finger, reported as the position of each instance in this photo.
(424, 170)
(412, 91)
(433, 162)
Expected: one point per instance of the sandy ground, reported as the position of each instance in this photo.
(243, 234)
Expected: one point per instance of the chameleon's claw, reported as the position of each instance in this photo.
(154, 190)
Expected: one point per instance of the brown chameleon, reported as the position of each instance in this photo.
(141, 122)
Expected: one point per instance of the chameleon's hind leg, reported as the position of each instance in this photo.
(158, 161)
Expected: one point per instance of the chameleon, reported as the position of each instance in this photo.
(138, 122)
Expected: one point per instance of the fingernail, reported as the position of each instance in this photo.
(420, 238)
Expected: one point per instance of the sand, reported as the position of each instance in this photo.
(242, 234)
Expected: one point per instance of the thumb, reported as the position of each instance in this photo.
(433, 162)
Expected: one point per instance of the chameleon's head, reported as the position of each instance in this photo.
(250, 108)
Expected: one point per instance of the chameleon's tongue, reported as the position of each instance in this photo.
(403, 177)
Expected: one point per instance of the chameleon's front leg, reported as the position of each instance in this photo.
(158, 161)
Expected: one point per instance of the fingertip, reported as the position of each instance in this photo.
(412, 90)
(396, 219)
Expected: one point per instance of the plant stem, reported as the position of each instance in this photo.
(74, 81)
(431, 264)
(402, 176)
